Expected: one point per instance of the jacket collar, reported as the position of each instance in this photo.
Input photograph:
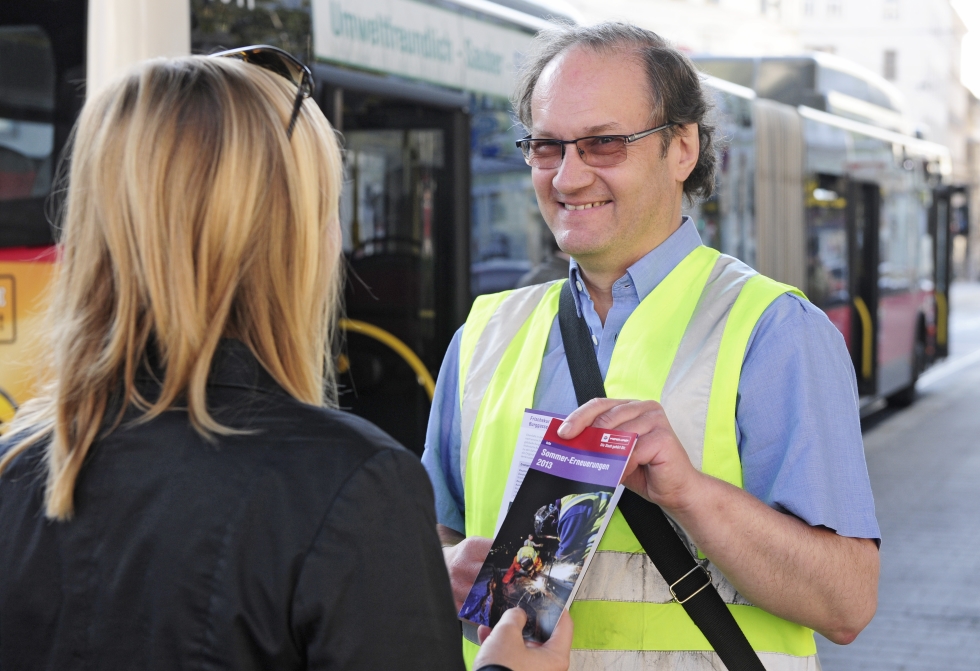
(233, 365)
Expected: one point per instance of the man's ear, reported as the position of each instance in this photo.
(684, 150)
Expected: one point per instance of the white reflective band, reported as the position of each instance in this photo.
(688, 387)
(684, 660)
(626, 576)
(617, 576)
(506, 321)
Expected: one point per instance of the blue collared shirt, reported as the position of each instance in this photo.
(797, 419)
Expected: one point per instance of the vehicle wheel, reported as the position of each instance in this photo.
(905, 397)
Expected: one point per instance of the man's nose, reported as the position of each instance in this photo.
(573, 173)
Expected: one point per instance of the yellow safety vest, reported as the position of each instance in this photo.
(683, 346)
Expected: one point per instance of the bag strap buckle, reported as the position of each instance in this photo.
(673, 594)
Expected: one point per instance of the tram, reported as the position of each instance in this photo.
(438, 206)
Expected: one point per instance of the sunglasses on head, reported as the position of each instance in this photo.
(281, 63)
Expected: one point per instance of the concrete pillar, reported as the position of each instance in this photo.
(122, 33)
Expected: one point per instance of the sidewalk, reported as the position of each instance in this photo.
(924, 464)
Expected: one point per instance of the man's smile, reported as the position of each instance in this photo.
(585, 206)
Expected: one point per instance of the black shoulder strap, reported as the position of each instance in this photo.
(690, 582)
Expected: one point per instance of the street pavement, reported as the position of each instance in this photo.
(924, 464)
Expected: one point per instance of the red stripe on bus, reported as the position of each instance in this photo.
(47, 254)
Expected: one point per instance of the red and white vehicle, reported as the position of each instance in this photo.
(821, 186)
(824, 189)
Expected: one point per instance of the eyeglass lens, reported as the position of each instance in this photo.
(597, 152)
(281, 65)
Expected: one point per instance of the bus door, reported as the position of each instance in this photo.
(862, 224)
(828, 284)
(404, 218)
(404, 214)
(939, 229)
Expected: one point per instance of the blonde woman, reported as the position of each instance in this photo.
(182, 495)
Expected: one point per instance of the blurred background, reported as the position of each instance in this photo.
(929, 50)
(849, 167)
(849, 160)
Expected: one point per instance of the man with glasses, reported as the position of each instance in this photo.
(742, 392)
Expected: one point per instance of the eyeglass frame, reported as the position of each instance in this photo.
(304, 88)
(627, 140)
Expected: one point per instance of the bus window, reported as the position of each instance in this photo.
(388, 196)
(388, 213)
(509, 236)
(726, 219)
(925, 261)
(217, 24)
(898, 243)
(827, 265)
(735, 188)
(27, 103)
(789, 81)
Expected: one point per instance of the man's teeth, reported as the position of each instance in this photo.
(584, 207)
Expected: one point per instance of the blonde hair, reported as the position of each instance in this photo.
(190, 217)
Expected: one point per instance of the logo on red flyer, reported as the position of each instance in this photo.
(614, 442)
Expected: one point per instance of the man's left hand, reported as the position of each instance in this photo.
(659, 469)
(805, 574)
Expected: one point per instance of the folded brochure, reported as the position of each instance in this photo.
(559, 498)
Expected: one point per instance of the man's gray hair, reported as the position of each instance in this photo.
(672, 82)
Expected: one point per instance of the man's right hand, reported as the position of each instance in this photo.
(464, 562)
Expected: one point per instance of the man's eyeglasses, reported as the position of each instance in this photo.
(598, 151)
(281, 63)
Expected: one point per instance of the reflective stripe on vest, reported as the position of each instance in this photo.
(683, 345)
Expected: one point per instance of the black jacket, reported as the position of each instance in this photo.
(308, 543)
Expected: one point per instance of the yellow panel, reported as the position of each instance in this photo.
(8, 330)
(23, 292)
(665, 626)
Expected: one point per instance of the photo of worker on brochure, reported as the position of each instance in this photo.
(547, 537)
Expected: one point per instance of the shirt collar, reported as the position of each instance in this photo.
(654, 266)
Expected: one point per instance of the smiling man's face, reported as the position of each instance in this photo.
(607, 218)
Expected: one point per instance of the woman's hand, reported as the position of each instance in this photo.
(505, 645)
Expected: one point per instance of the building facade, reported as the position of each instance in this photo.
(731, 27)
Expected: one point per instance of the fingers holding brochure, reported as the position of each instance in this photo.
(464, 562)
(659, 468)
(505, 645)
(566, 492)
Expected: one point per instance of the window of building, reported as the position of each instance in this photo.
(889, 68)
(770, 6)
(890, 9)
(27, 106)
(823, 48)
(808, 7)
(834, 8)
